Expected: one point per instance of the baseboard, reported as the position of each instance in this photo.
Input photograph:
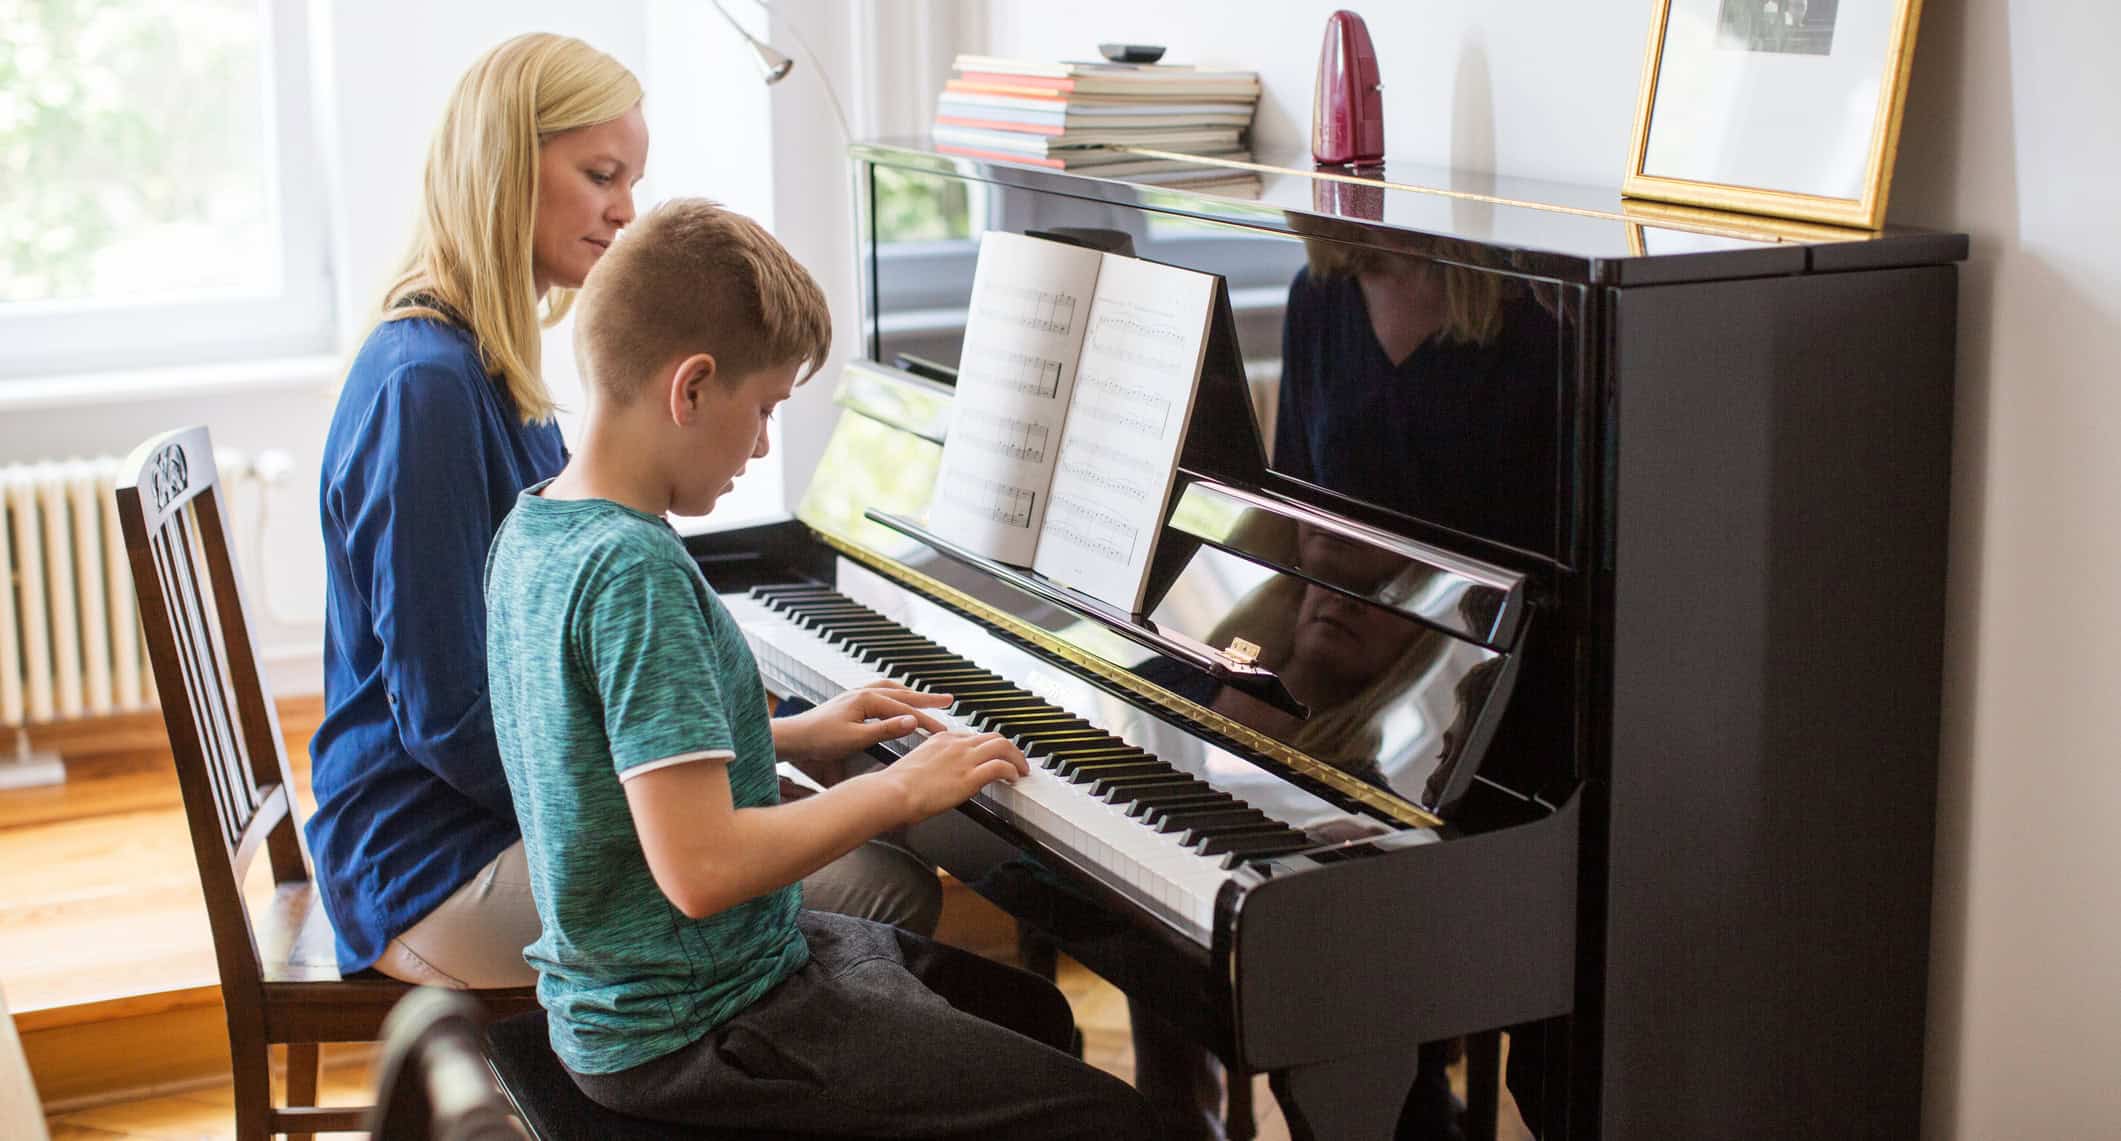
(122, 1048)
(142, 730)
(149, 1045)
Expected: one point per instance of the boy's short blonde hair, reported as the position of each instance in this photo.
(693, 277)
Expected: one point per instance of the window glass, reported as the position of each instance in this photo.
(136, 150)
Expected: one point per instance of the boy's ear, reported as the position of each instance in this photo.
(688, 386)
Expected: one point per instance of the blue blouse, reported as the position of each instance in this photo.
(425, 455)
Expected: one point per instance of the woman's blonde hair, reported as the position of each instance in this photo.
(1473, 299)
(470, 260)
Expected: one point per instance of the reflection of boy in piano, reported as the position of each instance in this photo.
(682, 978)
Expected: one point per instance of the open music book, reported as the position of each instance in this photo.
(1073, 394)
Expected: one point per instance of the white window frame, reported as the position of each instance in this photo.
(49, 339)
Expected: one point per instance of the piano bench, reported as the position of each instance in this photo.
(547, 1100)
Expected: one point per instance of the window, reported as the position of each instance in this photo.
(159, 203)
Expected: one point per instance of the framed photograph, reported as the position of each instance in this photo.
(1781, 107)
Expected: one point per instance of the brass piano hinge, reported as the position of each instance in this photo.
(1346, 784)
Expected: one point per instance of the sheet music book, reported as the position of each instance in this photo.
(1074, 391)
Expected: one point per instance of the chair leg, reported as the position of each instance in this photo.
(1239, 1124)
(302, 1066)
(250, 1071)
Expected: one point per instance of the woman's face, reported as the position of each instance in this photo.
(585, 197)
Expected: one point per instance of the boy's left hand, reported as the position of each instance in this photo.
(878, 712)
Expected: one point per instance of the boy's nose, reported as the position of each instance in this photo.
(758, 448)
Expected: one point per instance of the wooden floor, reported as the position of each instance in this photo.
(100, 911)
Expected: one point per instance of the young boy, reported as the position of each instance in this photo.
(683, 979)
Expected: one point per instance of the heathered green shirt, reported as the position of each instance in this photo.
(609, 656)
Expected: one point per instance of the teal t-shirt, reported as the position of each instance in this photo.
(609, 655)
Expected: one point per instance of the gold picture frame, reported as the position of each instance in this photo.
(1740, 173)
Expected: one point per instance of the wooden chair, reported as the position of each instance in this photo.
(279, 978)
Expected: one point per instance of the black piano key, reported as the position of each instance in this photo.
(1105, 785)
(969, 710)
(890, 657)
(941, 673)
(1098, 780)
(1012, 725)
(1005, 721)
(1067, 759)
(1255, 847)
(1197, 835)
(1052, 725)
(881, 630)
(1124, 794)
(907, 657)
(1142, 805)
(818, 623)
(1226, 817)
(1026, 735)
(1052, 744)
(848, 637)
(900, 643)
(782, 591)
(1158, 816)
(1080, 770)
(827, 625)
(974, 693)
(994, 698)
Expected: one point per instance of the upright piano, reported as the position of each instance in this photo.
(1545, 637)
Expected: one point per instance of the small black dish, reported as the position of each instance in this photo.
(1131, 53)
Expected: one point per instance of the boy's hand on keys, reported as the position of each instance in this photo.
(854, 720)
(948, 768)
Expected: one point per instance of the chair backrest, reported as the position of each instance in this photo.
(433, 1083)
(223, 731)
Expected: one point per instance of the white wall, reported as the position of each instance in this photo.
(2008, 137)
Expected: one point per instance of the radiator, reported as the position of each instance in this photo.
(70, 639)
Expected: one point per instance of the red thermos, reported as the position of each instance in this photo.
(1348, 105)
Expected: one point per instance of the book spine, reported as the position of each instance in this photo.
(1000, 125)
(1028, 82)
(1001, 156)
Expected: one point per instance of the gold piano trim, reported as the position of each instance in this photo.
(1359, 791)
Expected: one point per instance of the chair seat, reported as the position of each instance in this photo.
(530, 1073)
(307, 1000)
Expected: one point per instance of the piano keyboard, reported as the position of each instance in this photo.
(1160, 835)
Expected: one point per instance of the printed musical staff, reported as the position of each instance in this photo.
(1024, 372)
(1007, 436)
(1122, 405)
(1092, 529)
(1136, 342)
(1107, 469)
(991, 499)
(1044, 310)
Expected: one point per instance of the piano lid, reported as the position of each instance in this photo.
(1565, 231)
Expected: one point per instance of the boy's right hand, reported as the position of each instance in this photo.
(948, 768)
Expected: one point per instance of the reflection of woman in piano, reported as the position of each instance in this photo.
(444, 418)
(1421, 386)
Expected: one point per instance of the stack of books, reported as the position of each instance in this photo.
(1081, 116)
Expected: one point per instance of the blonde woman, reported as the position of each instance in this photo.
(443, 419)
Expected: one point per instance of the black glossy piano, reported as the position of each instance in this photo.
(1545, 639)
